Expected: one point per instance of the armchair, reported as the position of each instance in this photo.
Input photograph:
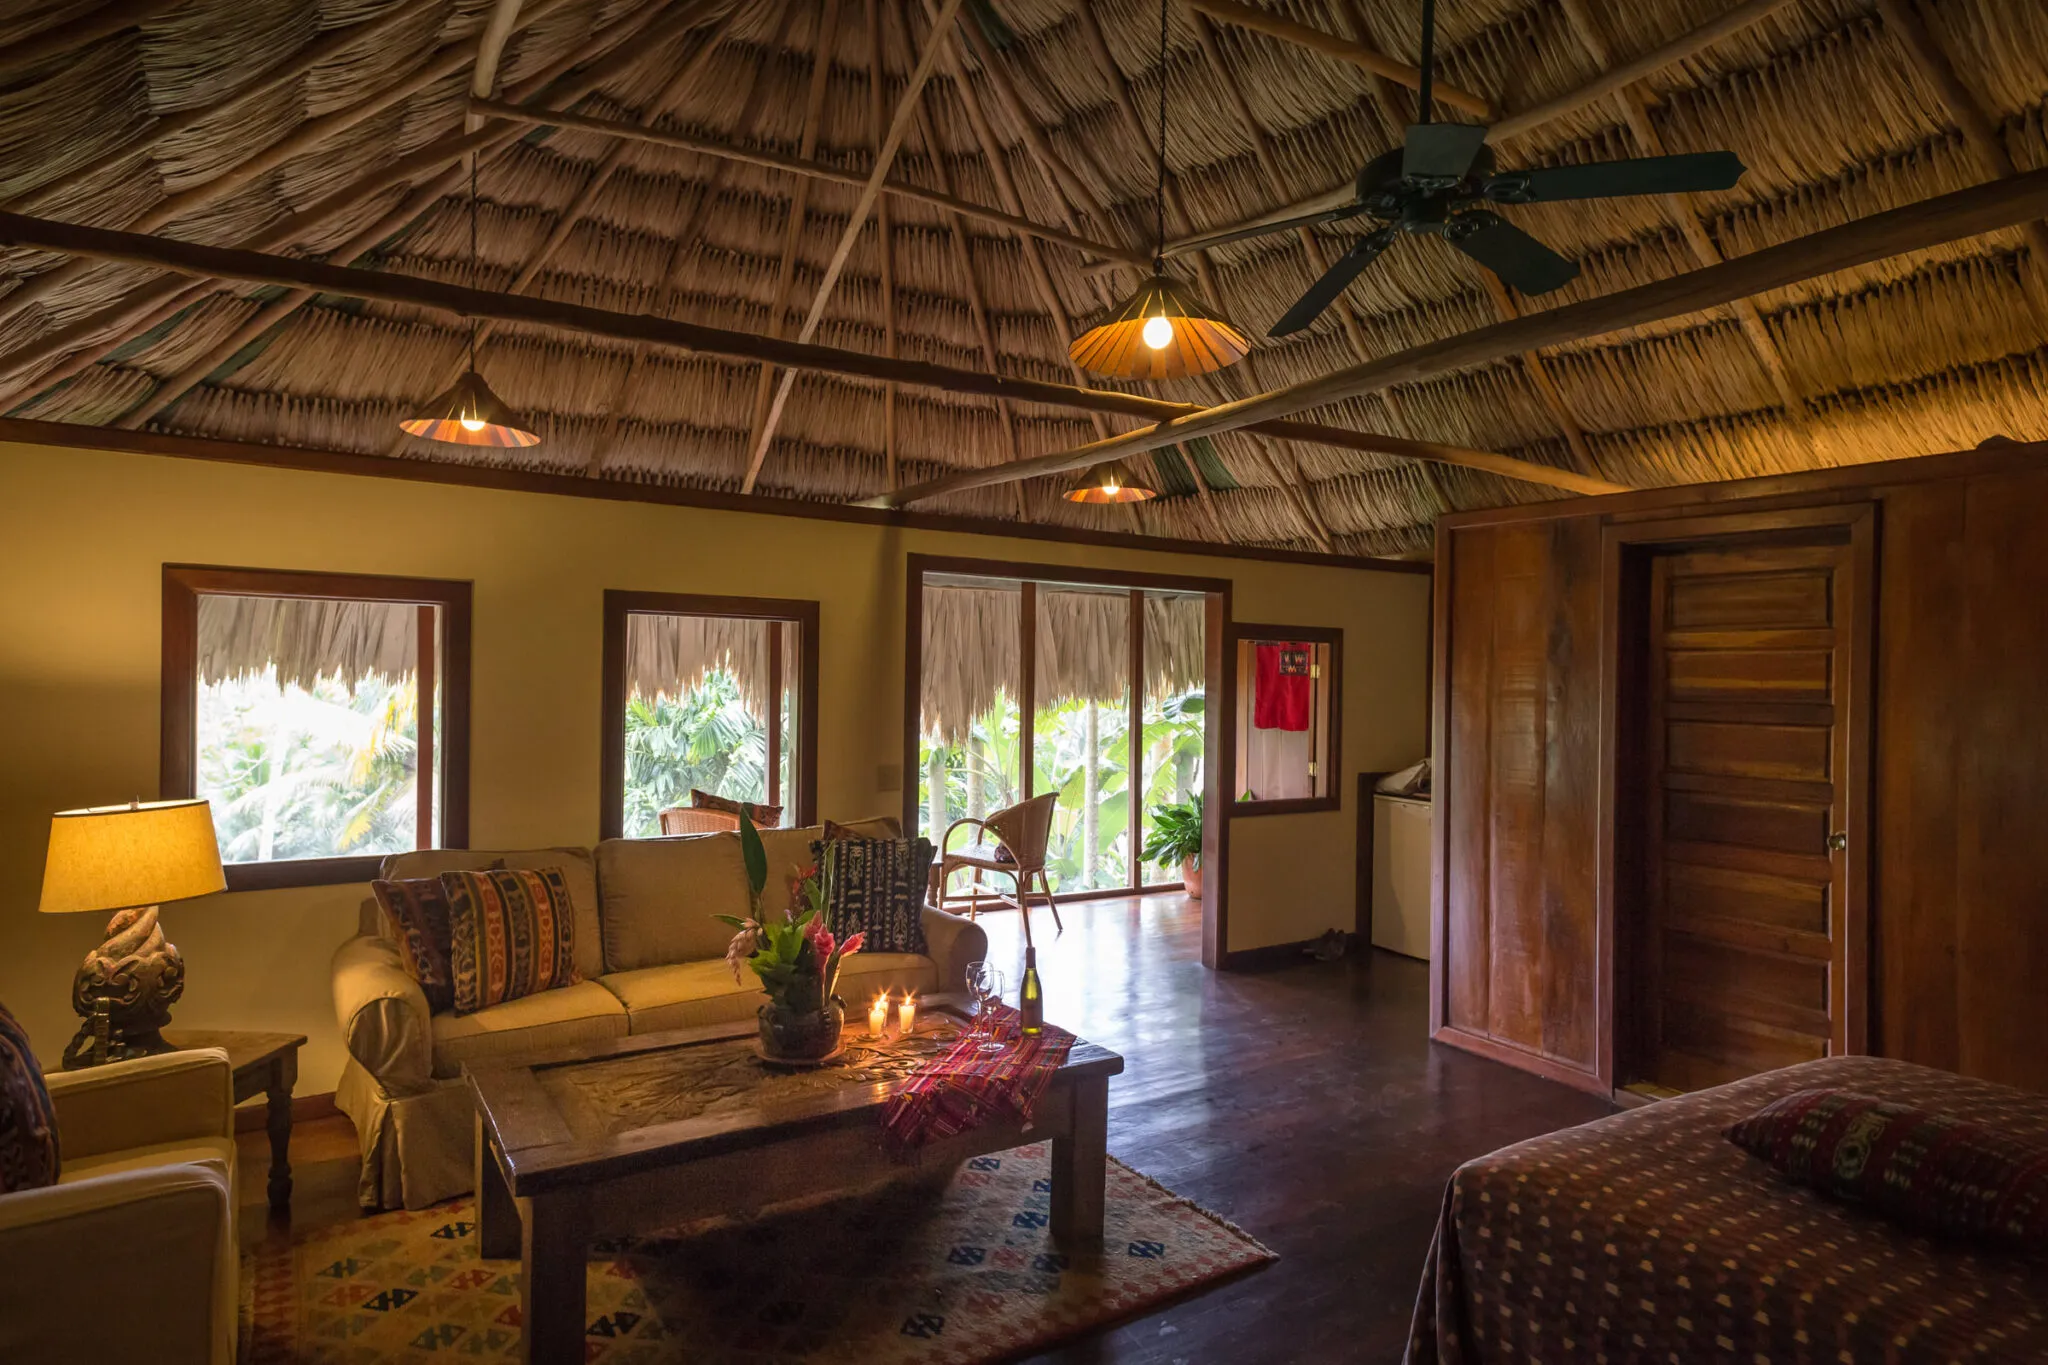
(131, 1256)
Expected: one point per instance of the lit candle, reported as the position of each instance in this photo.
(878, 1015)
(906, 1014)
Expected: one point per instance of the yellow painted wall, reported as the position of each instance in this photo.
(84, 536)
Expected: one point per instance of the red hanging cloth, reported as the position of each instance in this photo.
(1281, 686)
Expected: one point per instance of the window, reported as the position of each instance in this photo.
(306, 707)
(1287, 712)
(1025, 686)
(712, 694)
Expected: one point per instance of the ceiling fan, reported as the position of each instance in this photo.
(1437, 182)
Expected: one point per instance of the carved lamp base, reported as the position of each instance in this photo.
(124, 991)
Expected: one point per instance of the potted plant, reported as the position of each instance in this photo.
(797, 961)
(1177, 838)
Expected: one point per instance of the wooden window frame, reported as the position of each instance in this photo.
(620, 604)
(1219, 685)
(1331, 749)
(178, 762)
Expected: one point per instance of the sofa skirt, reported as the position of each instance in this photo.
(417, 1149)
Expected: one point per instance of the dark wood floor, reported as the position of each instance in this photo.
(1305, 1104)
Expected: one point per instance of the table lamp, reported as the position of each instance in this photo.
(128, 859)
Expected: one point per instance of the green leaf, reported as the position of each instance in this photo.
(755, 856)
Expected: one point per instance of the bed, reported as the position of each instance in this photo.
(1649, 1236)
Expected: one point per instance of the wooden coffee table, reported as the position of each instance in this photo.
(647, 1133)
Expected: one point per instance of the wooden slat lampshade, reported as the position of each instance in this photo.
(1111, 482)
(1131, 343)
(467, 413)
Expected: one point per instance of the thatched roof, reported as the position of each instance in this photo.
(137, 114)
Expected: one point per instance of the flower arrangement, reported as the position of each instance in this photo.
(797, 960)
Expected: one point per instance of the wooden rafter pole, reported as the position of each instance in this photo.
(1974, 118)
(90, 338)
(1934, 222)
(1358, 54)
(251, 267)
(483, 78)
(856, 223)
(793, 228)
(815, 170)
(1634, 104)
(681, 244)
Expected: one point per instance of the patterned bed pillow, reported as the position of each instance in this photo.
(877, 887)
(416, 912)
(1928, 1172)
(512, 933)
(28, 1122)
(763, 816)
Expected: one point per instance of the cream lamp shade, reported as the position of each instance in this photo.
(118, 857)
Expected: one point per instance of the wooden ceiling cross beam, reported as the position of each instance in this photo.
(885, 244)
(907, 105)
(291, 272)
(1358, 54)
(483, 77)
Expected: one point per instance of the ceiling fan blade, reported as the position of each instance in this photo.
(1334, 281)
(1441, 151)
(1684, 174)
(1261, 229)
(1509, 252)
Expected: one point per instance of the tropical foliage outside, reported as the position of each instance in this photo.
(320, 773)
(1081, 750)
(706, 738)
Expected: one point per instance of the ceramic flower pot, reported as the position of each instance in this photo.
(801, 1036)
(1191, 879)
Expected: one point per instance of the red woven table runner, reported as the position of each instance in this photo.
(967, 1087)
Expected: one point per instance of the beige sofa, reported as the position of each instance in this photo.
(130, 1256)
(652, 958)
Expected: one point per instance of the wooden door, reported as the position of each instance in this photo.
(1753, 733)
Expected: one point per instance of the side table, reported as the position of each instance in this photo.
(264, 1064)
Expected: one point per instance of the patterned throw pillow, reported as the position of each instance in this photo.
(1928, 1172)
(416, 911)
(764, 817)
(28, 1123)
(512, 932)
(876, 887)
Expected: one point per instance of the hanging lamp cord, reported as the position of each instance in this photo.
(475, 274)
(1159, 186)
(1423, 98)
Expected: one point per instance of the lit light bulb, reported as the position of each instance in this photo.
(472, 423)
(1111, 486)
(1158, 333)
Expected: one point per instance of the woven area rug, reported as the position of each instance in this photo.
(923, 1273)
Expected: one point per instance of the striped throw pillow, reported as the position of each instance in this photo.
(416, 912)
(876, 887)
(28, 1122)
(1931, 1173)
(512, 933)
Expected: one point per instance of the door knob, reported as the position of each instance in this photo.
(1837, 842)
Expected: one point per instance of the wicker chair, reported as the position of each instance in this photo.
(1023, 830)
(696, 820)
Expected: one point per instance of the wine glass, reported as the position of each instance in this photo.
(987, 984)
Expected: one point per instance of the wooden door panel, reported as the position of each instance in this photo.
(1795, 752)
(1745, 760)
(1776, 601)
(1747, 675)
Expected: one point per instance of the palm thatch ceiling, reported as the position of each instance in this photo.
(338, 129)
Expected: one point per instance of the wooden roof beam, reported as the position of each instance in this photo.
(1359, 55)
(885, 248)
(1915, 227)
(251, 267)
(856, 222)
(483, 78)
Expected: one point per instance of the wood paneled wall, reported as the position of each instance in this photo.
(1527, 900)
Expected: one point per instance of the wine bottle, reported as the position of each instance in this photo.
(1031, 997)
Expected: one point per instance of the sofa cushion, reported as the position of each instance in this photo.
(689, 994)
(791, 851)
(660, 895)
(518, 1029)
(217, 1154)
(579, 874)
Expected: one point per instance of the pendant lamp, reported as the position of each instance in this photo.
(1110, 483)
(467, 413)
(1162, 331)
